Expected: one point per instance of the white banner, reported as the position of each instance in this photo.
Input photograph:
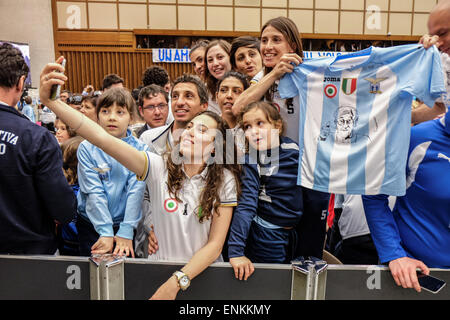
(171, 55)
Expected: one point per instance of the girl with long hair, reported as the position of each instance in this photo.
(281, 50)
(193, 190)
(217, 63)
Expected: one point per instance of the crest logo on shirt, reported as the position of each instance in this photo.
(103, 171)
(170, 205)
(375, 84)
(349, 85)
(330, 91)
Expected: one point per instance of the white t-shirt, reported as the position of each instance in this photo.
(178, 230)
(352, 222)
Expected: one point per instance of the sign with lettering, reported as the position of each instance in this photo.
(321, 54)
(171, 55)
(182, 55)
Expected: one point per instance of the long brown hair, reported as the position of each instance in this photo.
(290, 32)
(70, 161)
(72, 133)
(223, 159)
(211, 82)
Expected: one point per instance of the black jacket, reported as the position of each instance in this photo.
(33, 190)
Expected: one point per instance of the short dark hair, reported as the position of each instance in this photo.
(201, 88)
(155, 75)
(90, 98)
(120, 96)
(234, 74)
(12, 66)
(111, 79)
(150, 91)
(28, 100)
(135, 93)
(244, 41)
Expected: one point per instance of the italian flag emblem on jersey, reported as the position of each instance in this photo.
(170, 205)
(349, 85)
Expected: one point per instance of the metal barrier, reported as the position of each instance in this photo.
(114, 278)
(345, 282)
(44, 277)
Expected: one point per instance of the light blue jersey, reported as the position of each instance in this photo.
(355, 116)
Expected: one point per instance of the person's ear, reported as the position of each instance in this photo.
(279, 126)
(141, 111)
(204, 106)
(21, 83)
(293, 47)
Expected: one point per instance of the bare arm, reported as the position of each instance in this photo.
(424, 113)
(204, 257)
(255, 93)
(128, 156)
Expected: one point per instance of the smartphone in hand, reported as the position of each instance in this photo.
(56, 88)
(429, 283)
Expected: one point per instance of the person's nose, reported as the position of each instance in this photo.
(180, 101)
(112, 116)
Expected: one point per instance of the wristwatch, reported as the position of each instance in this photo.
(183, 280)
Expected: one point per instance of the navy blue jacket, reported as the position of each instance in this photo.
(269, 191)
(33, 190)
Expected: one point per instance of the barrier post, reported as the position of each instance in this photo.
(320, 279)
(308, 279)
(302, 282)
(107, 277)
(95, 279)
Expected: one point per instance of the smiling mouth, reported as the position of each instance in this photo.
(187, 142)
(269, 55)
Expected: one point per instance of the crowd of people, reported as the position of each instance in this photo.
(226, 164)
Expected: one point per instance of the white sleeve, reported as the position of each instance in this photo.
(227, 194)
(155, 167)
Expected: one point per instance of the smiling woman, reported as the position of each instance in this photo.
(217, 56)
(192, 202)
(281, 50)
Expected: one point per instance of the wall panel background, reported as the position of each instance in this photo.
(89, 67)
(99, 36)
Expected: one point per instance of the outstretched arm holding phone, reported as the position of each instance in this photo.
(131, 158)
